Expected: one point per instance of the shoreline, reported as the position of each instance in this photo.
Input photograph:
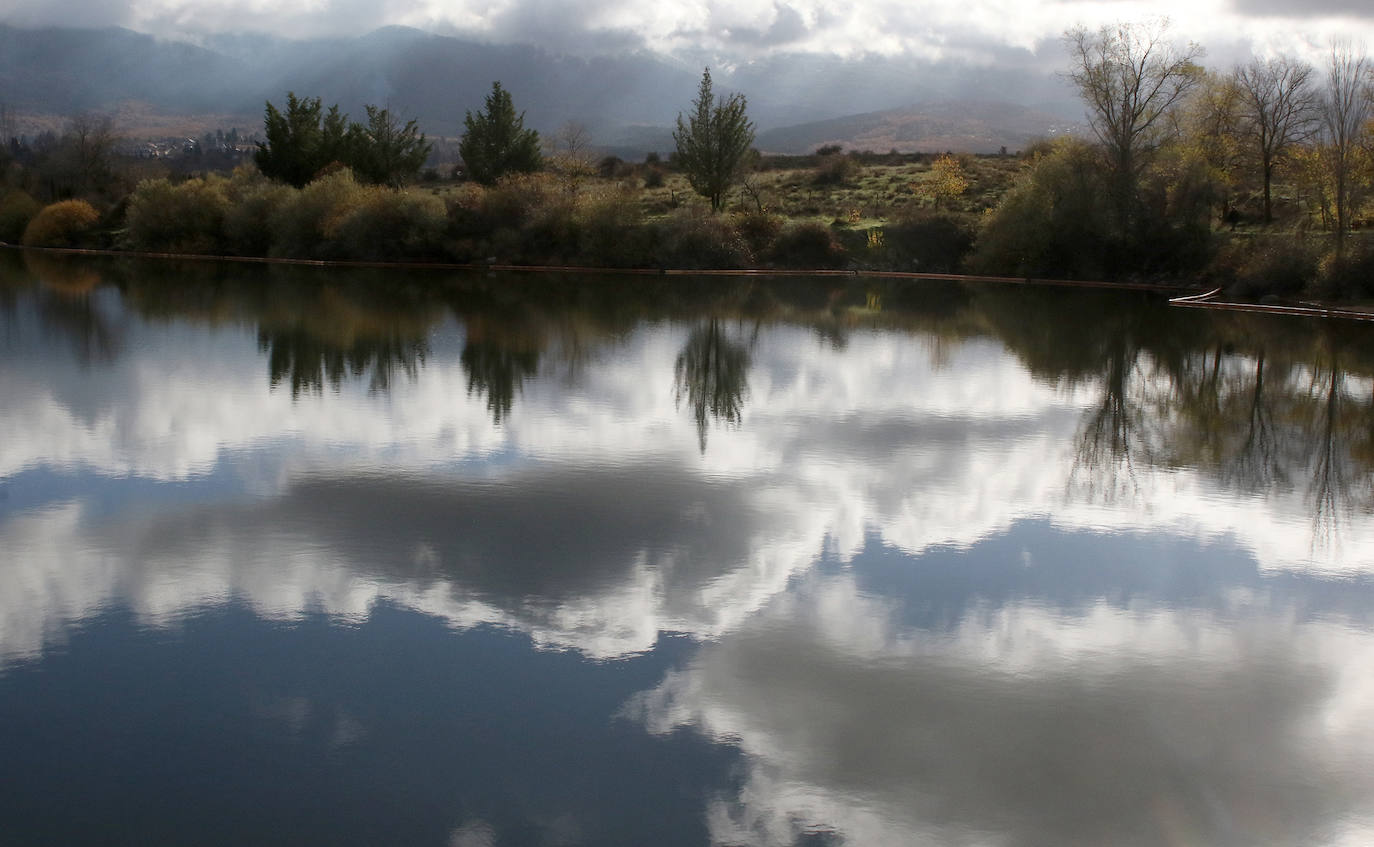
(1192, 301)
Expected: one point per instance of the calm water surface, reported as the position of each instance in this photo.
(324, 557)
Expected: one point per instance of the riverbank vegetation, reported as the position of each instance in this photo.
(1255, 180)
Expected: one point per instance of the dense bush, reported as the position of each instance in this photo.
(65, 224)
(613, 231)
(391, 225)
(248, 223)
(808, 244)
(834, 169)
(1349, 276)
(694, 238)
(1053, 222)
(514, 200)
(551, 232)
(1253, 270)
(184, 218)
(929, 241)
(758, 229)
(17, 208)
(307, 225)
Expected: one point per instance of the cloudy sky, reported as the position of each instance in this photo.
(738, 30)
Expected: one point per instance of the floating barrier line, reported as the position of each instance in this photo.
(1195, 301)
(582, 269)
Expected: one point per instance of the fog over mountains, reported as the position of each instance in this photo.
(627, 100)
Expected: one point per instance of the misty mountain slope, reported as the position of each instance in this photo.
(628, 100)
(63, 71)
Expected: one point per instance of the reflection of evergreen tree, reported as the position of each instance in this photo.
(498, 372)
(712, 372)
(308, 363)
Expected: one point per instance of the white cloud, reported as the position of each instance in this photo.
(936, 29)
(351, 498)
(1028, 726)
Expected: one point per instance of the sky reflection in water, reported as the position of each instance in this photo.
(306, 556)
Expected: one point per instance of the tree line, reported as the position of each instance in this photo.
(1176, 155)
(1178, 152)
(306, 139)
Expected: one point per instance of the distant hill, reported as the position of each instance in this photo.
(433, 78)
(64, 71)
(973, 127)
(628, 102)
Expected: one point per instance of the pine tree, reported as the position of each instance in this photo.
(496, 142)
(713, 142)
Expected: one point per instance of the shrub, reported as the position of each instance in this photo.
(758, 229)
(834, 169)
(1346, 277)
(653, 177)
(183, 218)
(613, 232)
(1053, 222)
(514, 199)
(17, 208)
(248, 223)
(808, 244)
(611, 167)
(1252, 271)
(693, 238)
(307, 226)
(391, 225)
(551, 231)
(929, 241)
(64, 224)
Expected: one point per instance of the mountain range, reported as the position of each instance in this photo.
(626, 101)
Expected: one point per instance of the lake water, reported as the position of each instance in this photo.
(357, 557)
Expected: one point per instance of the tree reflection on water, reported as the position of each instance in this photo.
(1262, 405)
(308, 363)
(498, 372)
(712, 373)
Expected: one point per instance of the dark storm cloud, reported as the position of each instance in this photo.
(1311, 9)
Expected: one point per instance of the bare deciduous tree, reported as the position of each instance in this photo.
(1132, 78)
(88, 149)
(1279, 108)
(1345, 111)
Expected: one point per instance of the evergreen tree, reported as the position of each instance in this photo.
(713, 142)
(306, 139)
(293, 147)
(386, 152)
(496, 142)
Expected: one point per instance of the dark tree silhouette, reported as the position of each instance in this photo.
(498, 372)
(308, 363)
(712, 373)
(495, 141)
